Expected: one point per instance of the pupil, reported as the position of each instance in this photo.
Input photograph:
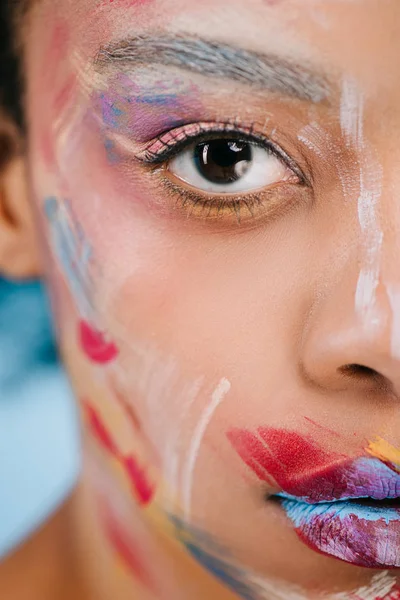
(223, 161)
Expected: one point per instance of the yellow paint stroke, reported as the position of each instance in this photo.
(381, 449)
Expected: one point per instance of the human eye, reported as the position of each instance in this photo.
(221, 170)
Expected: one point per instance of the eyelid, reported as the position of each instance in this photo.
(172, 142)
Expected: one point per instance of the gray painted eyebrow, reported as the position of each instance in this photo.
(215, 59)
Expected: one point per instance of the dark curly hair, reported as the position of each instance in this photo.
(10, 62)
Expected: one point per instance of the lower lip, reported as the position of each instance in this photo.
(362, 535)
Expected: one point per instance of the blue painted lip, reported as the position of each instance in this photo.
(299, 511)
(362, 533)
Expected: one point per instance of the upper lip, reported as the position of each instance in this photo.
(299, 468)
(362, 477)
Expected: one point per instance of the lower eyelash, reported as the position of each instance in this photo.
(249, 207)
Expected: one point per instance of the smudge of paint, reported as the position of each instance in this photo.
(142, 486)
(111, 151)
(305, 471)
(95, 345)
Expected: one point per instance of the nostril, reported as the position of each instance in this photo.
(355, 370)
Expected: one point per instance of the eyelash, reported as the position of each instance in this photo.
(184, 136)
(268, 203)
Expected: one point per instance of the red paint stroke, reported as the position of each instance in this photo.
(293, 461)
(125, 546)
(137, 475)
(99, 430)
(319, 426)
(95, 345)
(141, 485)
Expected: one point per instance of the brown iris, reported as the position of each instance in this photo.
(223, 161)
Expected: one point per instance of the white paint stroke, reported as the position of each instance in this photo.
(381, 585)
(217, 398)
(352, 112)
(189, 396)
(393, 292)
(370, 190)
(316, 139)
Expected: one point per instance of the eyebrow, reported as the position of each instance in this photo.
(220, 60)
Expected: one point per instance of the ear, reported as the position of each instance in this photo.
(19, 256)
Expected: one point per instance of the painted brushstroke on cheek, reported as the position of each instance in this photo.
(72, 250)
(142, 486)
(352, 123)
(174, 440)
(95, 345)
(217, 398)
(75, 255)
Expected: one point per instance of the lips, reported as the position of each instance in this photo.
(349, 509)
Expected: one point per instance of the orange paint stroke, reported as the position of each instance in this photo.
(380, 448)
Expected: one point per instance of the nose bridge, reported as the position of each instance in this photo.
(357, 320)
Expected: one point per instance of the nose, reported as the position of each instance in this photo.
(347, 347)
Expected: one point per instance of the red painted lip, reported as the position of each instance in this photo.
(303, 470)
(95, 345)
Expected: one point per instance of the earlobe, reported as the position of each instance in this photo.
(19, 256)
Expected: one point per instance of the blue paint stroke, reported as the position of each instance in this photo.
(208, 553)
(72, 250)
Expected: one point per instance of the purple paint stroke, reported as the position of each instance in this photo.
(142, 112)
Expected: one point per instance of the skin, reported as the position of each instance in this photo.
(179, 326)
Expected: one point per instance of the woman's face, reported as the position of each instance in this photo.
(217, 184)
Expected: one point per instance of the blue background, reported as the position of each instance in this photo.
(39, 433)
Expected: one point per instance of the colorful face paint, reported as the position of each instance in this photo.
(196, 301)
(337, 505)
